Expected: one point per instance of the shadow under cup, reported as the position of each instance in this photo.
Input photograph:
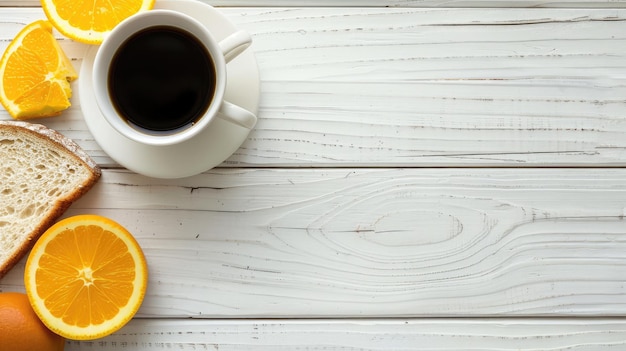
(159, 78)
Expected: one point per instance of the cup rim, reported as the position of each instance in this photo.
(132, 25)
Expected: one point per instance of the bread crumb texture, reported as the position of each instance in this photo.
(39, 179)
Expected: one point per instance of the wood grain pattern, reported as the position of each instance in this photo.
(374, 243)
(399, 87)
(415, 87)
(310, 218)
(352, 335)
(389, 3)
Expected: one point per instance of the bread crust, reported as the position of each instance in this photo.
(59, 142)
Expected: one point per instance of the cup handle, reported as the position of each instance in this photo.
(235, 44)
(237, 115)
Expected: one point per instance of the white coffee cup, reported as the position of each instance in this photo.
(219, 53)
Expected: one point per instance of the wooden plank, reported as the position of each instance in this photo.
(437, 87)
(374, 242)
(416, 87)
(344, 335)
(389, 3)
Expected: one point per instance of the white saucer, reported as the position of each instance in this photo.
(205, 151)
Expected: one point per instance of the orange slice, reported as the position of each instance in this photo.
(88, 21)
(35, 74)
(86, 277)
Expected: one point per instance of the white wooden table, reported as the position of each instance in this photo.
(424, 175)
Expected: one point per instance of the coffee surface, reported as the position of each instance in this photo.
(161, 79)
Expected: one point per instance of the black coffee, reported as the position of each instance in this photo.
(161, 79)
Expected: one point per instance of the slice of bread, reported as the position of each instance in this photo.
(42, 173)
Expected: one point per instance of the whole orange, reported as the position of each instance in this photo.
(21, 329)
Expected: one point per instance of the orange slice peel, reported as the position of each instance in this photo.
(89, 21)
(86, 277)
(36, 74)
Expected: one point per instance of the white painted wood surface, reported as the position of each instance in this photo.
(414, 87)
(352, 335)
(332, 209)
(378, 242)
(388, 3)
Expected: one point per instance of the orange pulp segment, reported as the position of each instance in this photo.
(86, 277)
(35, 74)
(88, 21)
